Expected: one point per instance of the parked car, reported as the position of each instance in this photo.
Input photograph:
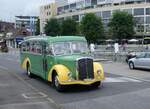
(140, 61)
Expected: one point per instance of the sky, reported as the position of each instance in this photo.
(11, 8)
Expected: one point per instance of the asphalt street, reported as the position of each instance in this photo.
(118, 91)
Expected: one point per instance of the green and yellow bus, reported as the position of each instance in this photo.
(64, 60)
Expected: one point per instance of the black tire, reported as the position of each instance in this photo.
(56, 83)
(28, 71)
(131, 65)
(96, 84)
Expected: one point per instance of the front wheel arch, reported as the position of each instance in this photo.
(131, 65)
(58, 87)
(28, 69)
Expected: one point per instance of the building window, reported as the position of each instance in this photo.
(81, 16)
(147, 27)
(75, 17)
(129, 11)
(93, 2)
(98, 14)
(80, 4)
(60, 10)
(66, 7)
(147, 11)
(139, 11)
(106, 14)
(100, 1)
(116, 10)
(139, 28)
(139, 20)
(73, 6)
(148, 20)
(87, 3)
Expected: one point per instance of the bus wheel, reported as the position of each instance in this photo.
(56, 83)
(28, 71)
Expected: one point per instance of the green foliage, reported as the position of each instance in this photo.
(52, 28)
(121, 25)
(69, 27)
(37, 32)
(92, 28)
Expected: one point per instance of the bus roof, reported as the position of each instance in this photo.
(50, 39)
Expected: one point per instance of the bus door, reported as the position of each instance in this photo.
(48, 60)
(37, 58)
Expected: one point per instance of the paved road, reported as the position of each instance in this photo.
(118, 91)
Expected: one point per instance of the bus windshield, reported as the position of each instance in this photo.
(66, 48)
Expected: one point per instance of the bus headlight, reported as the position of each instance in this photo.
(99, 72)
(70, 76)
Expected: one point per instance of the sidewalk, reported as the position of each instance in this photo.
(123, 69)
(15, 93)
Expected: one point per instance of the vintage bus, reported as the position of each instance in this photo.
(64, 60)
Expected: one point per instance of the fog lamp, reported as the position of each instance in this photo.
(99, 72)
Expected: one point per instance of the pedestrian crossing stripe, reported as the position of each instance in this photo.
(120, 79)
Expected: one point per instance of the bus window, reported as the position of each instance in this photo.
(27, 46)
(38, 48)
(49, 50)
(32, 47)
(23, 47)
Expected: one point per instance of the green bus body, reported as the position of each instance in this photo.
(35, 54)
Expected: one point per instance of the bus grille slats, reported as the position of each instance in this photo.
(85, 68)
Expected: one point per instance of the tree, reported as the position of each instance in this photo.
(37, 32)
(52, 28)
(122, 25)
(69, 27)
(92, 28)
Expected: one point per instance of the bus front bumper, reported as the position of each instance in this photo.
(81, 82)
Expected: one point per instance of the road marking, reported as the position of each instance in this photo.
(120, 79)
(23, 104)
(129, 79)
(10, 59)
(34, 95)
(4, 85)
(49, 99)
(3, 68)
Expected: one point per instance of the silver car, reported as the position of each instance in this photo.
(140, 61)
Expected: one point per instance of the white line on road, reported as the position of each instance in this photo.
(120, 79)
(10, 59)
(3, 68)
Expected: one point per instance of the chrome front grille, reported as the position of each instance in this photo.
(85, 68)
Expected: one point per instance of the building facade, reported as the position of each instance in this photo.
(140, 9)
(47, 12)
(28, 22)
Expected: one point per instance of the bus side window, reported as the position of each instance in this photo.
(38, 48)
(32, 47)
(23, 47)
(28, 47)
(49, 50)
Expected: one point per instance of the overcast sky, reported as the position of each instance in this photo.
(11, 8)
